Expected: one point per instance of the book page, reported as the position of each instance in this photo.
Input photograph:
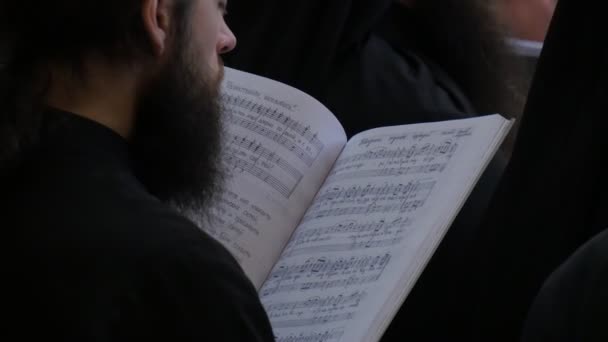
(279, 146)
(373, 226)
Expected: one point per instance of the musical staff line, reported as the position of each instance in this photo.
(313, 321)
(428, 150)
(322, 265)
(318, 302)
(260, 174)
(387, 172)
(359, 191)
(351, 227)
(403, 207)
(263, 152)
(345, 283)
(275, 115)
(325, 336)
(347, 246)
(282, 140)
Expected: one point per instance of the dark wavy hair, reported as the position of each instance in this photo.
(34, 35)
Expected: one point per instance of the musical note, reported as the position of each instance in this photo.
(264, 153)
(370, 209)
(324, 266)
(281, 139)
(276, 184)
(275, 115)
(348, 246)
(321, 285)
(336, 175)
(316, 320)
(350, 227)
(317, 302)
(447, 147)
(358, 191)
(323, 336)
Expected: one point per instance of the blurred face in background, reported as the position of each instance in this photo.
(527, 19)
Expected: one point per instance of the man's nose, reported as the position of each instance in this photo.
(227, 41)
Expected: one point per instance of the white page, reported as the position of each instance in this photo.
(373, 226)
(279, 146)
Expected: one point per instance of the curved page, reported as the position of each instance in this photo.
(373, 226)
(279, 146)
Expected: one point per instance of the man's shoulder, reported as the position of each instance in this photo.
(111, 214)
(144, 258)
(573, 302)
(588, 265)
(162, 229)
(192, 277)
(144, 225)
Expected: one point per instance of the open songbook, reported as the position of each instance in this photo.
(333, 233)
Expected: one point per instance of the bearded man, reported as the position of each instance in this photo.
(109, 112)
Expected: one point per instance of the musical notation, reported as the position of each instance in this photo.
(315, 320)
(266, 154)
(347, 246)
(325, 267)
(458, 132)
(387, 189)
(373, 208)
(275, 115)
(321, 285)
(279, 138)
(336, 175)
(323, 336)
(362, 230)
(347, 236)
(350, 227)
(317, 302)
(259, 173)
(447, 147)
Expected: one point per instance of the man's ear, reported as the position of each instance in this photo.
(155, 16)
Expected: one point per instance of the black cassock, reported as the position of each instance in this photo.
(554, 194)
(90, 255)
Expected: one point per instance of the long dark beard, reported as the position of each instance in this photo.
(177, 135)
(465, 39)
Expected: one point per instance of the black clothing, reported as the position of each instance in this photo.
(298, 42)
(94, 257)
(554, 194)
(573, 304)
(330, 51)
(384, 85)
